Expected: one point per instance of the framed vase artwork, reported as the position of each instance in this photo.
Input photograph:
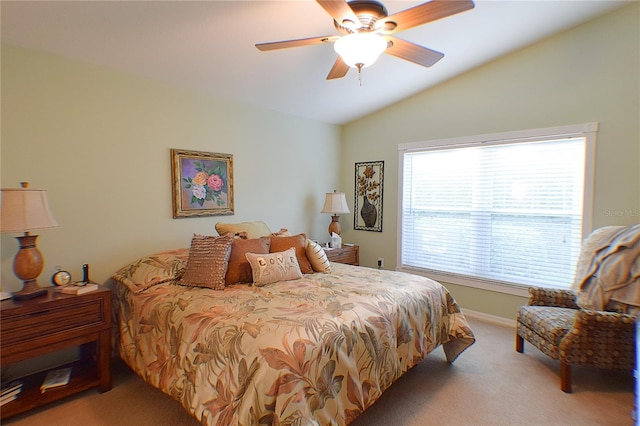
(202, 183)
(367, 214)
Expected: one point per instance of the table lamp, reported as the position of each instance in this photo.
(24, 210)
(335, 204)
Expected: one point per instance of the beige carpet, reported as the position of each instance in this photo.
(489, 384)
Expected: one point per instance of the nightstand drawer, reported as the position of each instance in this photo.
(49, 321)
(349, 255)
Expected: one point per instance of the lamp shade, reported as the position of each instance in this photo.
(25, 209)
(360, 48)
(335, 203)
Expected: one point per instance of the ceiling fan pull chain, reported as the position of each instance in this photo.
(359, 66)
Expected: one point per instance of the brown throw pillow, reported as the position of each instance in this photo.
(274, 267)
(207, 263)
(239, 269)
(298, 242)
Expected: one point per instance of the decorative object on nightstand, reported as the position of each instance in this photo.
(335, 203)
(77, 288)
(61, 277)
(25, 210)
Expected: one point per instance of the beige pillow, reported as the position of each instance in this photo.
(208, 260)
(154, 269)
(239, 269)
(317, 257)
(283, 232)
(253, 229)
(274, 267)
(299, 243)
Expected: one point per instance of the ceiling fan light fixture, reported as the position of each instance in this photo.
(360, 49)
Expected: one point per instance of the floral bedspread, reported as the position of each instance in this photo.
(317, 350)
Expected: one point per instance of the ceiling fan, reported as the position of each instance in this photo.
(368, 31)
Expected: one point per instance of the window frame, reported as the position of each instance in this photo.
(586, 130)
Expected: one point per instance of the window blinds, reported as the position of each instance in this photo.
(508, 211)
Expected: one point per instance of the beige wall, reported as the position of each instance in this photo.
(99, 142)
(588, 74)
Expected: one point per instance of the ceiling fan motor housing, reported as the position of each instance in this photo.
(368, 12)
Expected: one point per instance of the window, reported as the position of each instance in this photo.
(502, 211)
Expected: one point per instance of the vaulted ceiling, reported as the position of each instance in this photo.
(209, 46)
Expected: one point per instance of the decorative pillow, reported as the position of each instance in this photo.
(283, 232)
(252, 229)
(208, 260)
(317, 257)
(239, 269)
(154, 269)
(299, 242)
(274, 267)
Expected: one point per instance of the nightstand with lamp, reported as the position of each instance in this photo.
(336, 204)
(38, 321)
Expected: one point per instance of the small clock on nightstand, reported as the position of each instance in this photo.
(61, 277)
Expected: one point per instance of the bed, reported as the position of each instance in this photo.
(317, 349)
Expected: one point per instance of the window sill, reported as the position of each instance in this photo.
(497, 286)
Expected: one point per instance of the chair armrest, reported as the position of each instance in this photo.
(540, 296)
(605, 319)
(601, 339)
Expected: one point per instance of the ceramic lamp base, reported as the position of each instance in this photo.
(334, 226)
(27, 265)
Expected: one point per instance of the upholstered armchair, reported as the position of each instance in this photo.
(554, 323)
(593, 323)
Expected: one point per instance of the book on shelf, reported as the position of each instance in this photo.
(77, 289)
(9, 398)
(10, 391)
(10, 387)
(55, 378)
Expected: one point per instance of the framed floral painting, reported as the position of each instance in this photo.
(202, 183)
(367, 215)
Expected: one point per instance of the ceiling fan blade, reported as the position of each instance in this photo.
(422, 14)
(338, 70)
(295, 43)
(340, 11)
(412, 52)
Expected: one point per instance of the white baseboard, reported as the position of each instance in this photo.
(506, 322)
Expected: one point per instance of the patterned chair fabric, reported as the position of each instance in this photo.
(553, 323)
(545, 327)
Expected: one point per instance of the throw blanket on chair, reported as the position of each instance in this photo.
(608, 273)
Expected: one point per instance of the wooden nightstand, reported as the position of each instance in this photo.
(347, 254)
(49, 323)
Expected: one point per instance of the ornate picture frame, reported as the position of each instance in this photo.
(202, 183)
(369, 182)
